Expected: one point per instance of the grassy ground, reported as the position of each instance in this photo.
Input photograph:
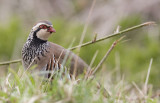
(20, 87)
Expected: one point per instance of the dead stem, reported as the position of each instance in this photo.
(83, 35)
(106, 55)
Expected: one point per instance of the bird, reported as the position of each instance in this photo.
(46, 55)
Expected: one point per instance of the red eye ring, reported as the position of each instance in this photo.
(43, 26)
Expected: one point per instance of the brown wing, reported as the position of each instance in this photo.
(61, 53)
(58, 53)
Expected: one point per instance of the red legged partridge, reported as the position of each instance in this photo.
(46, 55)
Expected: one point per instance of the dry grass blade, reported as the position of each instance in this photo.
(146, 82)
(106, 55)
(28, 67)
(89, 68)
(83, 35)
(138, 89)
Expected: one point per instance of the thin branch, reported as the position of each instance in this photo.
(10, 62)
(91, 42)
(114, 34)
(106, 55)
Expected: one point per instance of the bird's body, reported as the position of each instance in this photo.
(46, 55)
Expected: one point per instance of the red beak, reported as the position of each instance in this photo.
(51, 30)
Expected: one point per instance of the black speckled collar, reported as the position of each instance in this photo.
(36, 40)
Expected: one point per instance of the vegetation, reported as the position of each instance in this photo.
(123, 74)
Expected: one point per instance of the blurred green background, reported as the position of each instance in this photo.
(131, 57)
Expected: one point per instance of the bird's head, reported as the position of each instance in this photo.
(43, 30)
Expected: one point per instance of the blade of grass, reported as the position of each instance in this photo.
(146, 82)
(83, 35)
(140, 92)
(89, 68)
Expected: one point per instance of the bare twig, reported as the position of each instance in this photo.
(114, 34)
(91, 42)
(10, 62)
(95, 37)
(106, 55)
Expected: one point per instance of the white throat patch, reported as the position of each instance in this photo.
(42, 33)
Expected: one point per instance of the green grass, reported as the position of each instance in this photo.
(20, 87)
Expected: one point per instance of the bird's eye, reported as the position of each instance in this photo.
(43, 26)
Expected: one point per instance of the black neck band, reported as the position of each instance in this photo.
(36, 39)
